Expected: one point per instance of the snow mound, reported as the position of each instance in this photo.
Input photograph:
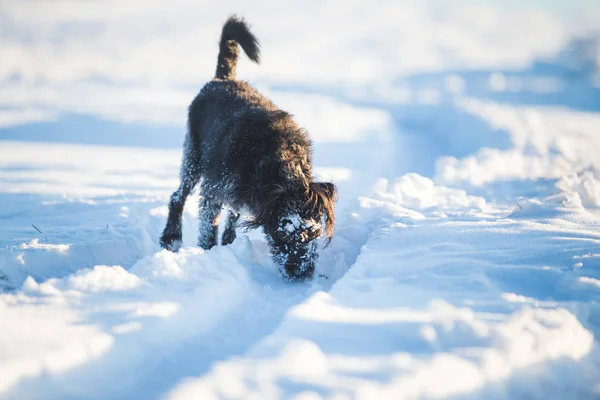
(546, 143)
(35, 244)
(417, 192)
(585, 185)
(414, 197)
(574, 192)
(103, 277)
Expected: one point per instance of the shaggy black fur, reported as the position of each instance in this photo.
(251, 156)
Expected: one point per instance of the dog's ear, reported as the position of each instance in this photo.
(265, 195)
(322, 196)
(263, 199)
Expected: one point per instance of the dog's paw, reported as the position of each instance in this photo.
(297, 275)
(171, 244)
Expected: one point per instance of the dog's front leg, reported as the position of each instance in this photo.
(190, 176)
(171, 236)
(209, 213)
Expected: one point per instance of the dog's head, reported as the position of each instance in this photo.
(292, 221)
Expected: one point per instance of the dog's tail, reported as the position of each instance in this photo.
(235, 31)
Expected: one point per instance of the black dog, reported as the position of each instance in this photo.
(250, 156)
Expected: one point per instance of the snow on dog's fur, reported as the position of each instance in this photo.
(250, 155)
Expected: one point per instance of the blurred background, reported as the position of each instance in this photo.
(124, 71)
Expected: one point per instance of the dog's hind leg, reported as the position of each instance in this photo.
(190, 176)
(209, 213)
(229, 234)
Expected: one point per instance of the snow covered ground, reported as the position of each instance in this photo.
(466, 258)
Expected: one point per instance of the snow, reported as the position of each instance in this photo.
(546, 143)
(466, 256)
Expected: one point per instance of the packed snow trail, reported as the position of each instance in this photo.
(170, 315)
(475, 304)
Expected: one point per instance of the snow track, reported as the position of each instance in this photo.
(419, 316)
(168, 316)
